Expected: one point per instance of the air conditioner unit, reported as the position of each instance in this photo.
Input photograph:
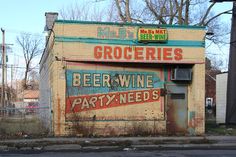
(181, 74)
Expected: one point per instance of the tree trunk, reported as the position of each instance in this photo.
(26, 76)
(187, 12)
(127, 11)
(119, 11)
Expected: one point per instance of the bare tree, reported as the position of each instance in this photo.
(33, 80)
(171, 12)
(128, 11)
(31, 48)
(74, 12)
(124, 12)
(86, 10)
(176, 12)
(181, 12)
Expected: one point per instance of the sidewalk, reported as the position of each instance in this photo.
(119, 143)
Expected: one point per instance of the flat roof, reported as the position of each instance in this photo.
(129, 24)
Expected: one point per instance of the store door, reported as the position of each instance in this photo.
(176, 109)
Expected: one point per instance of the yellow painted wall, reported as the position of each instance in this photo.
(90, 31)
(87, 52)
(196, 100)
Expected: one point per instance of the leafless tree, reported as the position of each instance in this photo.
(33, 79)
(171, 12)
(177, 12)
(181, 12)
(31, 48)
(86, 10)
(74, 12)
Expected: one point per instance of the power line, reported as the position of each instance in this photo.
(7, 66)
(24, 32)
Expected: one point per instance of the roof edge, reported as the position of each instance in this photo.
(129, 24)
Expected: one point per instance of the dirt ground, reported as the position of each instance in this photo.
(18, 127)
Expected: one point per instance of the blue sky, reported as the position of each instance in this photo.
(18, 16)
(28, 16)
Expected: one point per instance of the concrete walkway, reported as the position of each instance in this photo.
(119, 143)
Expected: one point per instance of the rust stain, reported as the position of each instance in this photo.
(84, 130)
(174, 123)
(162, 75)
(195, 122)
(58, 115)
(177, 119)
(162, 79)
(161, 104)
(169, 74)
(170, 118)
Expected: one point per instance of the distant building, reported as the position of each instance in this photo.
(27, 97)
(31, 95)
(221, 97)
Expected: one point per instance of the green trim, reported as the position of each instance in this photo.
(129, 24)
(165, 74)
(182, 43)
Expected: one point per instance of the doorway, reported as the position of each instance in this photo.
(177, 109)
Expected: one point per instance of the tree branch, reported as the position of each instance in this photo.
(119, 11)
(186, 21)
(206, 14)
(127, 11)
(158, 17)
(225, 12)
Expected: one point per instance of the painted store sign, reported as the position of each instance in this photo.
(100, 89)
(133, 44)
(138, 53)
(120, 33)
(152, 35)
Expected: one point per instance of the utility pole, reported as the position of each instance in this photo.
(231, 82)
(231, 87)
(11, 75)
(3, 69)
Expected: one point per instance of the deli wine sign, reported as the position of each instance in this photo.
(152, 35)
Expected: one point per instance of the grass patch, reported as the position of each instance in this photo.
(21, 127)
(215, 129)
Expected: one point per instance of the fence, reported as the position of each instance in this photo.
(22, 122)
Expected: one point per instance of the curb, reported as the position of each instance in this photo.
(118, 144)
(79, 148)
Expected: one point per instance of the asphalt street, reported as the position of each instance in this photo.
(161, 153)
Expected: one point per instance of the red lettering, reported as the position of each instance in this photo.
(98, 52)
(117, 52)
(142, 31)
(126, 55)
(178, 54)
(167, 53)
(107, 52)
(138, 54)
(159, 53)
(150, 53)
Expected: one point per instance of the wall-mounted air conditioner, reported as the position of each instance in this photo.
(181, 74)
